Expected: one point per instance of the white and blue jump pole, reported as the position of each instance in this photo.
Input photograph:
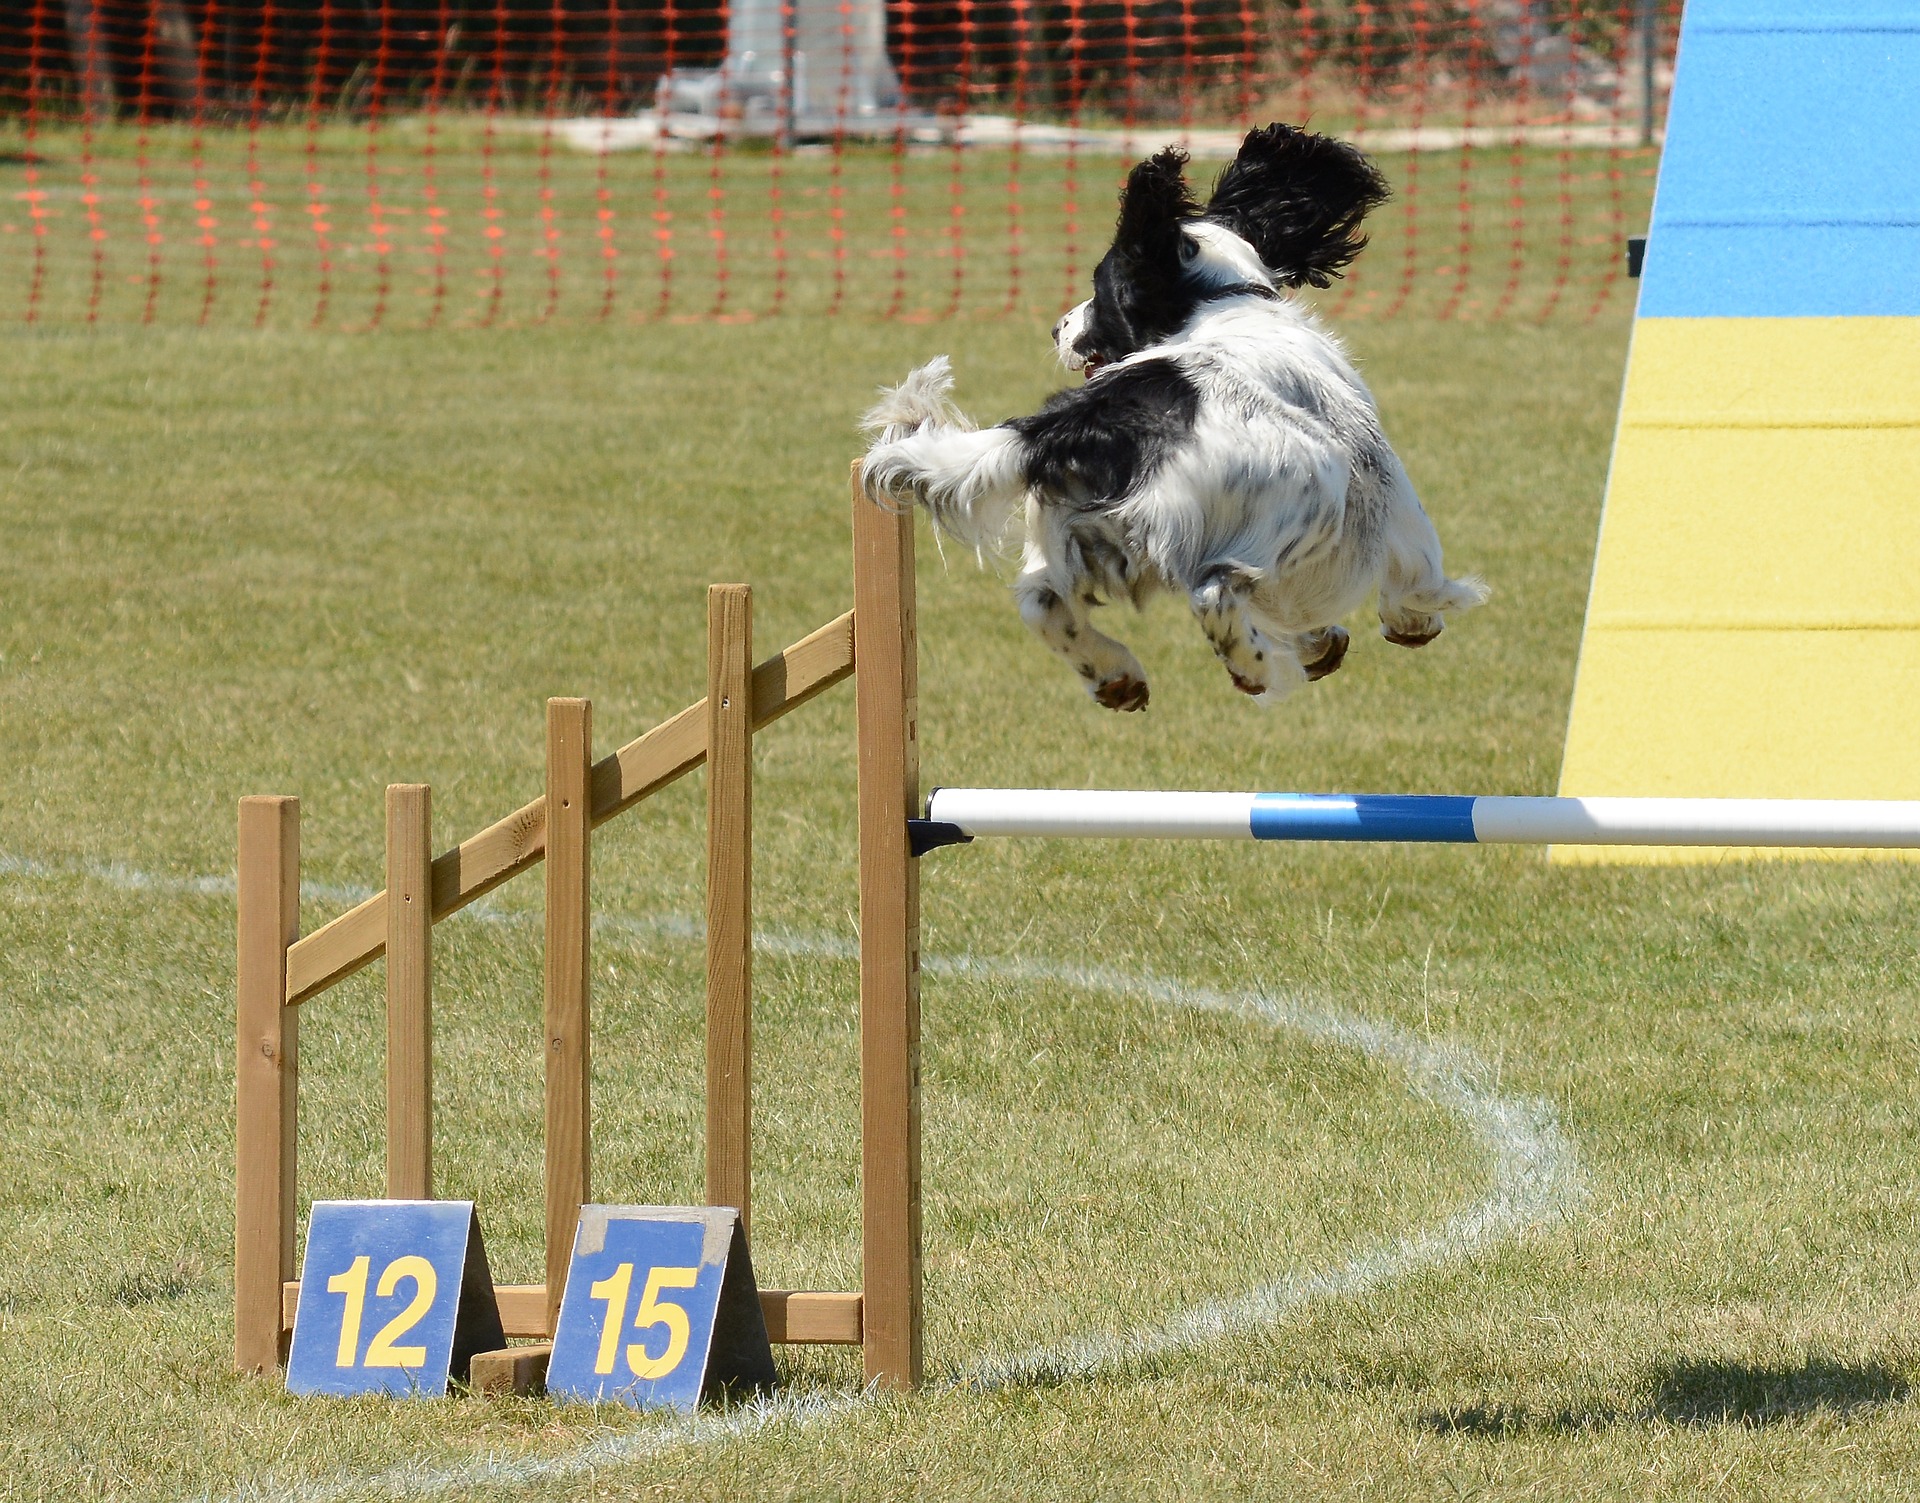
(955, 815)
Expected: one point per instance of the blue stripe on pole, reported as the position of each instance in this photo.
(1362, 816)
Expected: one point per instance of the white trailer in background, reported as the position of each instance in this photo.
(801, 70)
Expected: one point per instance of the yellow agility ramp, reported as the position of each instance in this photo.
(1753, 629)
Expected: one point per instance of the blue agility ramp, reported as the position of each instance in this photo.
(1790, 185)
(1753, 628)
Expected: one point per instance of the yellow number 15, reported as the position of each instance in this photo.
(653, 1311)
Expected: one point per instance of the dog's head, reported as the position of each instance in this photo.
(1285, 213)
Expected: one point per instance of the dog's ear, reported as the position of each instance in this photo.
(1153, 206)
(1298, 199)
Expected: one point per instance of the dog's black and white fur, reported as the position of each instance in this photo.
(1223, 446)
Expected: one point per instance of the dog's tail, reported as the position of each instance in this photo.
(921, 400)
(1461, 594)
(926, 450)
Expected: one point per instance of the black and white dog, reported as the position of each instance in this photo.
(1223, 446)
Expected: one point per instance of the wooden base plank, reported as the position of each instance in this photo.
(512, 1371)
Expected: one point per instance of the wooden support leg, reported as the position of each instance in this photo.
(887, 705)
(409, 992)
(730, 897)
(267, 1079)
(569, 812)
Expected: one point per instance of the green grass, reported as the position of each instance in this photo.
(315, 564)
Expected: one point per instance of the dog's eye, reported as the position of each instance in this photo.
(1189, 248)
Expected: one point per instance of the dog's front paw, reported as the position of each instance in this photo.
(1128, 692)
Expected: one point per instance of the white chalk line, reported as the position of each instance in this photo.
(1535, 1177)
(131, 879)
(624, 1448)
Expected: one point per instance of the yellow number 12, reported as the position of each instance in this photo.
(353, 1284)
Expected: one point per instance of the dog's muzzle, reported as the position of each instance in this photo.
(1066, 334)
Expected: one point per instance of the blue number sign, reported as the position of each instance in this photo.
(660, 1309)
(395, 1297)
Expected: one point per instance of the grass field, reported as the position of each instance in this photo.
(1558, 1183)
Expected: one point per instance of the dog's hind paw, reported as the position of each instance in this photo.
(1329, 649)
(1411, 638)
(1127, 693)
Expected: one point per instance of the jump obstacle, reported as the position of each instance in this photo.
(279, 970)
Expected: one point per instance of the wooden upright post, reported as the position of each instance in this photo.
(730, 897)
(886, 682)
(267, 1080)
(569, 813)
(409, 992)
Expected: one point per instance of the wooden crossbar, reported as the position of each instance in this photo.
(811, 1317)
(512, 845)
